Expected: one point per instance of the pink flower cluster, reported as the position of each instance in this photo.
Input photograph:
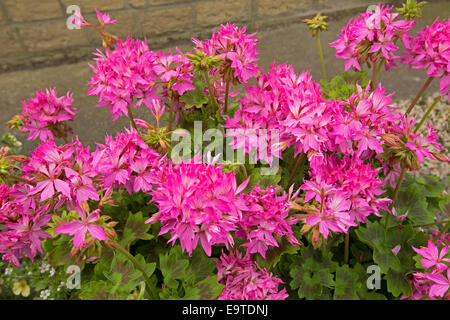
(70, 175)
(128, 162)
(435, 282)
(371, 36)
(124, 77)
(237, 48)
(44, 111)
(22, 234)
(265, 216)
(283, 104)
(346, 191)
(197, 202)
(245, 280)
(430, 50)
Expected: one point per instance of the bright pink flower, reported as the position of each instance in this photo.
(197, 202)
(78, 228)
(44, 111)
(244, 279)
(441, 283)
(430, 50)
(237, 48)
(266, 215)
(432, 257)
(371, 36)
(104, 19)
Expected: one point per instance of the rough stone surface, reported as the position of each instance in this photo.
(156, 22)
(9, 40)
(161, 2)
(50, 35)
(87, 6)
(25, 10)
(137, 3)
(215, 12)
(276, 7)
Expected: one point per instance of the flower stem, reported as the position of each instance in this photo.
(374, 75)
(322, 62)
(227, 90)
(150, 288)
(442, 232)
(172, 103)
(431, 224)
(130, 115)
(297, 165)
(419, 94)
(347, 247)
(425, 116)
(17, 178)
(210, 90)
(394, 196)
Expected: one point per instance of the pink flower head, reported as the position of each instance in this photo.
(79, 229)
(430, 50)
(432, 257)
(45, 110)
(197, 202)
(124, 77)
(244, 279)
(266, 215)
(237, 48)
(371, 36)
(104, 19)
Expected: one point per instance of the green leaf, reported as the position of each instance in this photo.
(173, 267)
(347, 284)
(273, 255)
(202, 265)
(135, 229)
(411, 199)
(195, 98)
(397, 284)
(209, 288)
(372, 234)
(95, 290)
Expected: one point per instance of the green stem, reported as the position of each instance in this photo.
(130, 115)
(244, 171)
(419, 94)
(17, 178)
(172, 103)
(381, 65)
(442, 231)
(227, 90)
(394, 196)
(297, 165)
(150, 288)
(374, 75)
(431, 224)
(210, 90)
(322, 62)
(425, 116)
(347, 247)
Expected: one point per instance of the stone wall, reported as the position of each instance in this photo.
(35, 33)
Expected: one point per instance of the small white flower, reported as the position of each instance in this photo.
(62, 284)
(45, 294)
(30, 273)
(8, 271)
(52, 272)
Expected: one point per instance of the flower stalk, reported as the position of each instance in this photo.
(419, 94)
(425, 116)
(149, 288)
